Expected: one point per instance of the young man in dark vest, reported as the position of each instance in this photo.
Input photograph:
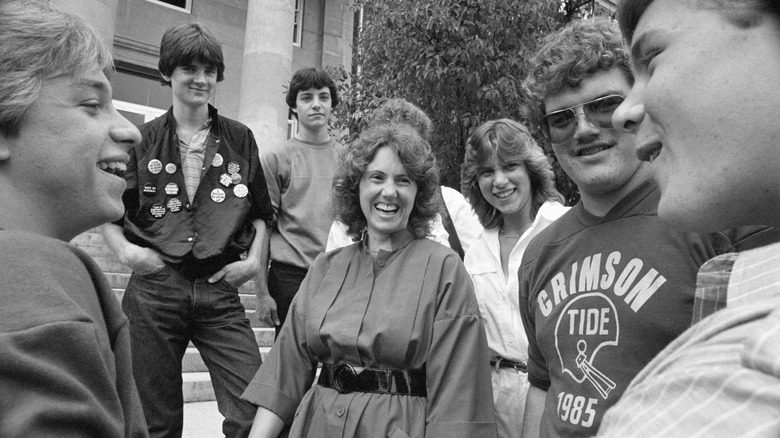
(196, 211)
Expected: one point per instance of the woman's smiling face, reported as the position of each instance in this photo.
(387, 194)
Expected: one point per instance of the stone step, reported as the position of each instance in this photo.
(197, 387)
(95, 249)
(193, 361)
(252, 315)
(248, 299)
(117, 280)
(90, 237)
(112, 264)
(263, 335)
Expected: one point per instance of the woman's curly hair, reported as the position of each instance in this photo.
(398, 110)
(507, 140)
(416, 157)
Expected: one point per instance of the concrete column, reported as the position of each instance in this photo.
(101, 14)
(267, 66)
(337, 33)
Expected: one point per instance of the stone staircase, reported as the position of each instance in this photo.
(196, 380)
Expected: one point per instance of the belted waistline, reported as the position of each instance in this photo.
(193, 269)
(345, 379)
(500, 362)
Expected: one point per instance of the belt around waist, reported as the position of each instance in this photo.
(193, 269)
(345, 379)
(500, 362)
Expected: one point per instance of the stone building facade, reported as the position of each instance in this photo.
(264, 42)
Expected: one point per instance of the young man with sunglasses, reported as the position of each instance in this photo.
(607, 286)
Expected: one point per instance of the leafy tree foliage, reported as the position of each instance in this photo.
(461, 61)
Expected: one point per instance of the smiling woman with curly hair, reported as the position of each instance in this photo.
(391, 319)
(415, 156)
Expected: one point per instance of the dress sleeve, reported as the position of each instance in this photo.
(288, 370)
(460, 398)
(54, 383)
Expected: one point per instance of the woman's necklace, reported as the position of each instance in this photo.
(504, 235)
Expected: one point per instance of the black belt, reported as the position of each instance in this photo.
(500, 362)
(345, 379)
(193, 269)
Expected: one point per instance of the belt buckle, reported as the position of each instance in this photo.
(344, 378)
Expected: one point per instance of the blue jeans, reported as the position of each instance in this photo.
(284, 280)
(166, 312)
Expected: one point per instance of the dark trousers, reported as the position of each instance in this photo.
(166, 312)
(283, 283)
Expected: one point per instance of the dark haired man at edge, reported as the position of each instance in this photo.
(704, 110)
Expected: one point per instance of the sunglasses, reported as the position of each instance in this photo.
(562, 124)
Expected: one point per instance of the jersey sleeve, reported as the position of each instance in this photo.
(538, 374)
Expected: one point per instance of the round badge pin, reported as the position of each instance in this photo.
(225, 180)
(217, 195)
(235, 178)
(170, 168)
(240, 190)
(149, 189)
(174, 205)
(233, 167)
(155, 166)
(157, 210)
(171, 189)
(217, 161)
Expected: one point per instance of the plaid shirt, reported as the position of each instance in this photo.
(720, 378)
(192, 156)
(712, 285)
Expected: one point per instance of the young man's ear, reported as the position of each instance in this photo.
(165, 78)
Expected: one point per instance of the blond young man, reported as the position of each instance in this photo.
(65, 367)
